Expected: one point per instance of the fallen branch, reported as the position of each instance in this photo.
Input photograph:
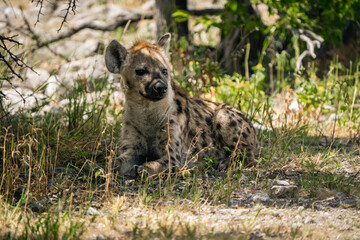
(118, 21)
(305, 35)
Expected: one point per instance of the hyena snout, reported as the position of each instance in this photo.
(160, 87)
(157, 89)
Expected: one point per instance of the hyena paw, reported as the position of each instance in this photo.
(135, 171)
(153, 168)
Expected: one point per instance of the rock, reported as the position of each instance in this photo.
(349, 202)
(38, 206)
(14, 99)
(129, 182)
(283, 191)
(282, 183)
(283, 203)
(345, 201)
(308, 220)
(341, 196)
(262, 198)
(100, 237)
(92, 211)
(10, 12)
(52, 86)
(34, 80)
(255, 236)
(233, 203)
(77, 49)
(304, 202)
(169, 203)
(90, 69)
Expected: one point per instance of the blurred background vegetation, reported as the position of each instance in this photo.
(292, 66)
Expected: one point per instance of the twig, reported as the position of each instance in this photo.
(71, 7)
(38, 3)
(12, 57)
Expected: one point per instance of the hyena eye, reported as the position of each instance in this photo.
(165, 71)
(140, 72)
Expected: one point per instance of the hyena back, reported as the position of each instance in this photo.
(162, 127)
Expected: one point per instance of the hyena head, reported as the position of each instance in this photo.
(144, 68)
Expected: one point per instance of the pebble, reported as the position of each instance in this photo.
(282, 183)
(283, 191)
(92, 211)
(308, 220)
(38, 207)
(100, 237)
(262, 198)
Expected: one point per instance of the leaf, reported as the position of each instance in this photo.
(181, 15)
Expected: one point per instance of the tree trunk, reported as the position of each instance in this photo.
(182, 27)
(163, 10)
(164, 21)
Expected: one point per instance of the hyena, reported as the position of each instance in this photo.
(164, 129)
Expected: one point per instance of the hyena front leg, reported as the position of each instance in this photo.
(132, 146)
(170, 159)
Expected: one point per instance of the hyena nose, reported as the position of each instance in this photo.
(160, 87)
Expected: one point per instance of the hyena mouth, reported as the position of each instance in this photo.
(155, 91)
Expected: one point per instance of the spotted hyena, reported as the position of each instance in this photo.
(162, 127)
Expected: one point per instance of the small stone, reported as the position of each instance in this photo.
(318, 206)
(278, 214)
(308, 220)
(262, 198)
(349, 202)
(169, 203)
(233, 203)
(38, 207)
(346, 227)
(129, 182)
(100, 237)
(304, 202)
(283, 203)
(340, 195)
(291, 173)
(283, 191)
(92, 211)
(255, 236)
(282, 183)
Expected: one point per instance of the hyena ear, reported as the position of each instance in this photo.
(164, 42)
(115, 56)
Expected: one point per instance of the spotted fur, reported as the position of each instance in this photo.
(163, 129)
